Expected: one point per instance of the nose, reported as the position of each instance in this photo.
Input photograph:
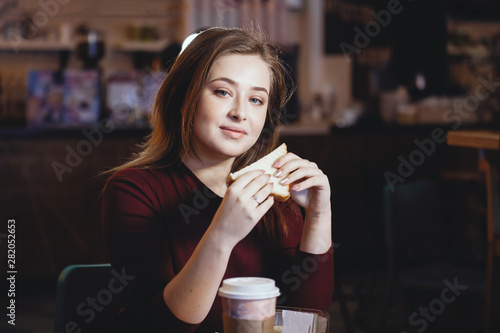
(238, 110)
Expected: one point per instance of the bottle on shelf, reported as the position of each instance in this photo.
(90, 48)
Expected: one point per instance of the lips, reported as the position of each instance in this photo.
(233, 129)
(233, 132)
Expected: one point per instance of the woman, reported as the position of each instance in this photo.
(171, 221)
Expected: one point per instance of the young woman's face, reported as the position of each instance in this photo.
(233, 106)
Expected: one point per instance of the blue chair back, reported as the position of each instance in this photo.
(414, 223)
(88, 299)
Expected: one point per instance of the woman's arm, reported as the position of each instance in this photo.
(310, 188)
(136, 241)
(305, 280)
(191, 293)
(316, 236)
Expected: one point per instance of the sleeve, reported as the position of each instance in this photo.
(137, 244)
(308, 282)
(305, 280)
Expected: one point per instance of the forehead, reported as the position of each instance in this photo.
(245, 69)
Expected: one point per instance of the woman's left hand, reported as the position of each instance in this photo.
(309, 186)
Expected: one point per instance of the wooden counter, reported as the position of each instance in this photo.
(489, 143)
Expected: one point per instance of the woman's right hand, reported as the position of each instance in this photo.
(246, 201)
(191, 293)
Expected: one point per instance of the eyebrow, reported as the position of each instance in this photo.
(234, 83)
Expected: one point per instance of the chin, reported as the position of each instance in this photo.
(237, 149)
(234, 152)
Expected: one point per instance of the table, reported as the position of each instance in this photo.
(489, 143)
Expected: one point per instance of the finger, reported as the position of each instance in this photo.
(264, 206)
(261, 195)
(255, 185)
(289, 164)
(285, 159)
(318, 182)
(246, 178)
(294, 165)
(299, 174)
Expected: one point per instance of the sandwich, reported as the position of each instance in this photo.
(280, 192)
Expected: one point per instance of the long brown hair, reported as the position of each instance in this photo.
(177, 99)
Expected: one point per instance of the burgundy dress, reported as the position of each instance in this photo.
(154, 218)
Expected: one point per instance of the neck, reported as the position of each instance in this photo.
(213, 173)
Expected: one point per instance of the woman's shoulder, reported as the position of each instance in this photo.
(148, 179)
(172, 181)
(133, 173)
(163, 187)
(147, 174)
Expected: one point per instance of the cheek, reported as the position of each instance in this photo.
(204, 110)
(208, 111)
(200, 118)
(259, 122)
(262, 118)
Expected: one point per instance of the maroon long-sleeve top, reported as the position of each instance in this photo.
(153, 220)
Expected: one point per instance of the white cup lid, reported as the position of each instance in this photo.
(249, 288)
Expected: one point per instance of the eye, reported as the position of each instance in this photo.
(256, 101)
(221, 93)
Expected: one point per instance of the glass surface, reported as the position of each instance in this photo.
(321, 321)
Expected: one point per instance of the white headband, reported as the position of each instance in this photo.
(187, 41)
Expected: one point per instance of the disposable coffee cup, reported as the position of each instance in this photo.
(248, 304)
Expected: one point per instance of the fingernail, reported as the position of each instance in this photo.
(284, 181)
(278, 172)
(276, 164)
(295, 187)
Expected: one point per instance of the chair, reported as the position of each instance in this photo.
(88, 299)
(417, 255)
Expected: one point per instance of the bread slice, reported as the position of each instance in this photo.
(280, 192)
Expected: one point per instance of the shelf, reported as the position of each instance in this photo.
(306, 129)
(26, 133)
(35, 46)
(146, 46)
(44, 46)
